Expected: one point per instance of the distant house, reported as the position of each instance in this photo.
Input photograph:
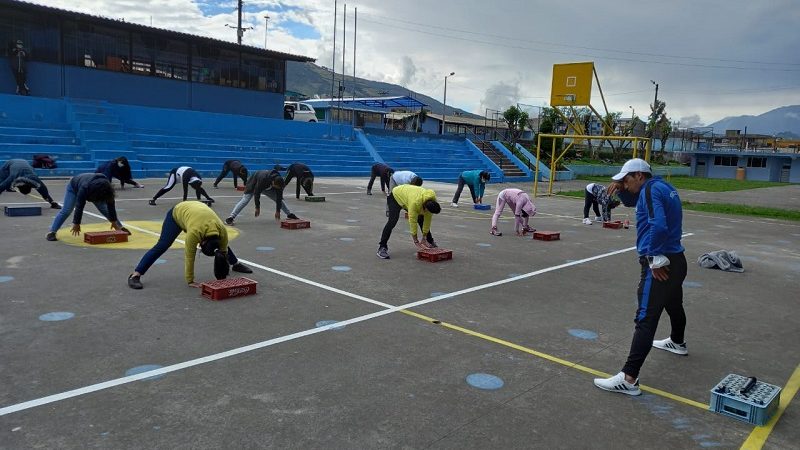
(363, 112)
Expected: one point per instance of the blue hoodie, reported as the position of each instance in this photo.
(659, 218)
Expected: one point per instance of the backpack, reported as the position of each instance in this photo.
(44, 162)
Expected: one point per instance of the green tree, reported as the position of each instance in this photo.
(659, 127)
(517, 120)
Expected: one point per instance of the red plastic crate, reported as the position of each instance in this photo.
(105, 237)
(295, 224)
(616, 224)
(547, 235)
(240, 188)
(228, 288)
(435, 254)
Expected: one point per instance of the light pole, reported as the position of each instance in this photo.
(444, 104)
(655, 102)
(633, 112)
(266, 25)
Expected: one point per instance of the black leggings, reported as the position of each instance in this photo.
(384, 179)
(654, 297)
(590, 200)
(394, 216)
(236, 175)
(460, 188)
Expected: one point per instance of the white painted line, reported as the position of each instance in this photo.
(259, 345)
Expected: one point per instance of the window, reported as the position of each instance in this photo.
(755, 161)
(729, 161)
(39, 34)
(160, 57)
(304, 107)
(89, 45)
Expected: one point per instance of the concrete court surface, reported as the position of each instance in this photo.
(543, 317)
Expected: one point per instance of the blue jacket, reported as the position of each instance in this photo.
(19, 170)
(81, 185)
(659, 218)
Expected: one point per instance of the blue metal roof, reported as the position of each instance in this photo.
(371, 102)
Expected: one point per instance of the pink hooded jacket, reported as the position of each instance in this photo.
(518, 201)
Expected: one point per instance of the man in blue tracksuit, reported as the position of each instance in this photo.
(659, 218)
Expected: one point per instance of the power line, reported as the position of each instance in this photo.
(521, 47)
(559, 44)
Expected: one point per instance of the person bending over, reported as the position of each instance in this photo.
(87, 187)
(420, 204)
(188, 177)
(203, 228)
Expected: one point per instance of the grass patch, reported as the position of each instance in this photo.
(743, 210)
(703, 184)
(725, 208)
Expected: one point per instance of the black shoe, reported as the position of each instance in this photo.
(215, 186)
(383, 253)
(134, 282)
(369, 192)
(241, 268)
(51, 236)
(55, 205)
(291, 216)
(152, 203)
(432, 245)
(229, 221)
(210, 200)
(125, 230)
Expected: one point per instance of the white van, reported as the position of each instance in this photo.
(301, 111)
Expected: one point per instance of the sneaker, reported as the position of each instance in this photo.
(369, 192)
(494, 232)
(454, 205)
(528, 230)
(214, 186)
(587, 221)
(229, 221)
(134, 282)
(152, 203)
(138, 186)
(618, 384)
(210, 200)
(125, 230)
(432, 245)
(598, 219)
(55, 205)
(383, 253)
(51, 236)
(241, 268)
(668, 345)
(291, 216)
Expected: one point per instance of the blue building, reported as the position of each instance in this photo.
(750, 165)
(75, 55)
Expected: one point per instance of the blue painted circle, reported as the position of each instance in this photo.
(144, 368)
(351, 220)
(5, 278)
(484, 381)
(323, 323)
(160, 261)
(483, 244)
(342, 268)
(692, 284)
(265, 249)
(437, 293)
(583, 334)
(56, 316)
(347, 239)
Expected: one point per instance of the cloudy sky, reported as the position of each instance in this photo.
(711, 58)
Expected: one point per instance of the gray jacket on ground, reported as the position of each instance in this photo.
(722, 260)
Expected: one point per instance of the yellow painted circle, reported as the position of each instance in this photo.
(144, 235)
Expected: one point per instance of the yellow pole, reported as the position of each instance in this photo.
(536, 172)
(635, 147)
(552, 168)
(647, 150)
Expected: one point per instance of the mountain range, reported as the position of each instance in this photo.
(783, 121)
(315, 81)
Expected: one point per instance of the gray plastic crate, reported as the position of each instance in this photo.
(756, 406)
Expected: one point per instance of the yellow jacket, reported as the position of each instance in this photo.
(199, 222)
(411, 198)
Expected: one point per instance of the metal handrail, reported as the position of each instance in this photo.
(483, 145)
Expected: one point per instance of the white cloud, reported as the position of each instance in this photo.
(711, 58)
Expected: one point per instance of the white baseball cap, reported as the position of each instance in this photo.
(632, 165)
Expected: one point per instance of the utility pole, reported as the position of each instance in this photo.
(239, 31)
(444, 104)
(266, 25)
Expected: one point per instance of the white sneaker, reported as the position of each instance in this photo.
(454, 205)
(587, 221)
(598, 219)
(668, 345)
(618, 384)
